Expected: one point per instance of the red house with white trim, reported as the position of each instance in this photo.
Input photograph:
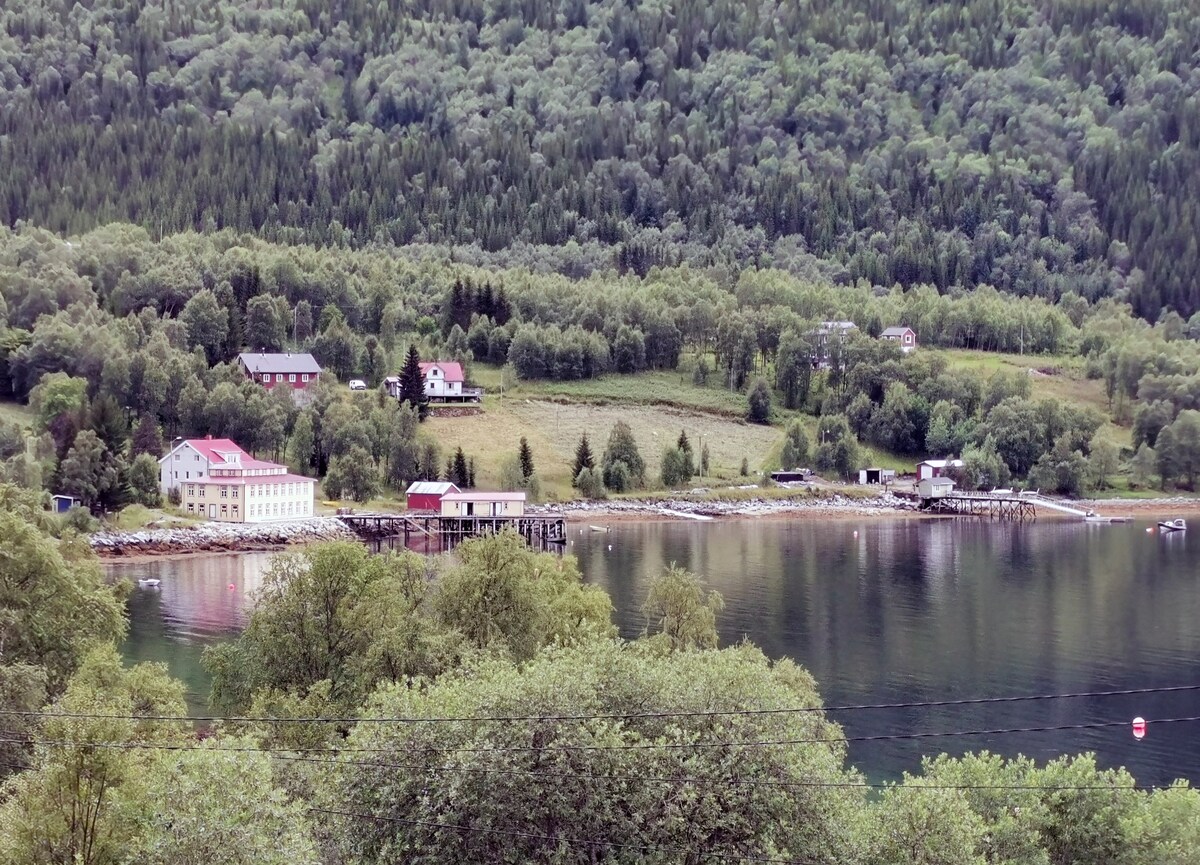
(297, 371)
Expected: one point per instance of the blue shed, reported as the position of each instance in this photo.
(60, 504)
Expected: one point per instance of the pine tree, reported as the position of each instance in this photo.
(462, 473)
(412, 384)
(471, 473)
(525, 455)
(146, 438)
(583, 458)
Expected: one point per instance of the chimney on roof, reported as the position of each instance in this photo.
(289, 354)
(208, 438)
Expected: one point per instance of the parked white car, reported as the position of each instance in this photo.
(357, 384)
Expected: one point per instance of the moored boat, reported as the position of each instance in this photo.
(1176, 525)
(149, 582)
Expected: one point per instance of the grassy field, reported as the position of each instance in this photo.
(553, 429)
(1055, 378)
(659, 388)
(12, 412)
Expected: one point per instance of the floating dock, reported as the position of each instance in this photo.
(434, 532)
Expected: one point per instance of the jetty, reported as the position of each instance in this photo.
(442, 532)
(980, 504)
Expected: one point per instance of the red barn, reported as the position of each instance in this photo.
(427, 495)
(297, 371)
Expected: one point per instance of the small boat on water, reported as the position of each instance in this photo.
(598, 528)
(1172, 525)
(149, 582)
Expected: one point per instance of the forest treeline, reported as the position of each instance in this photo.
(1042, 148)
(531, 733)
(120, 343)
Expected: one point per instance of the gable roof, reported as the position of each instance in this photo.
(474, 496)
(941, 464)
(218, 452)
(896, 331)
(262, 362)
(450, 371)
(430, 488)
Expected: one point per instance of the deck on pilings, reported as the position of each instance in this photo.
(995, 507)
(445, 532)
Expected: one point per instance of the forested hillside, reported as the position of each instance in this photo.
(1039, 146)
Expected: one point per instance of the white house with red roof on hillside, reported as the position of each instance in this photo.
(218, 480)
(444, 382)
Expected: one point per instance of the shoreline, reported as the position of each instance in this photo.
(232, 538)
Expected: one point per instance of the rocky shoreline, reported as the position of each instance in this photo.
(219, 538)
(835, 505)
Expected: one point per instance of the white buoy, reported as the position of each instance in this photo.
(610, 547)
(856, 533)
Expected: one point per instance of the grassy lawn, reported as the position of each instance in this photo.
(135, 517)
(14, 412)
(553, 429)
(658, 387)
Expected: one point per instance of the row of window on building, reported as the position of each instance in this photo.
(266, 509)
(291, 377)
(252, 490)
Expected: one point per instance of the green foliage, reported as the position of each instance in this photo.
(352, 475)
(597, 793)
(759, 403)
(212, 805)
(503, 595)
(583, 459)
(676, 467)
(681, 612)
(68, 807)
(54, 602)
(622, 462)
(144, 480)
(838, 450)
(412, 383)
(795, 447)
(525, 458)
(590, 484)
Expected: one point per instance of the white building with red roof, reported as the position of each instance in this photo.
(219, 481)
(443, 380)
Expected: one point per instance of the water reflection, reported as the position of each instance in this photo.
(905, 610)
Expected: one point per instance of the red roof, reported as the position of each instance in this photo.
(450, 371)
(246, 480)
(211, 449)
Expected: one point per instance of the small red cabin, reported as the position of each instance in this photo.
(427, 495)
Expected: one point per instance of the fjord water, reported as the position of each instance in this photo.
(904, 611)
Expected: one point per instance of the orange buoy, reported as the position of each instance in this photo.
(1139, 728)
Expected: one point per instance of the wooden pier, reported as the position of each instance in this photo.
(434, 532)
(982, 505)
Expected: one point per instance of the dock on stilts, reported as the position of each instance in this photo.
(443, 532)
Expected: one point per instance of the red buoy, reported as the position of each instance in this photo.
(1139, 728)
(231, 587)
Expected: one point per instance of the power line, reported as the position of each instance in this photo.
(732, 782)
(700, 713)
(648, 746)
(581, 842)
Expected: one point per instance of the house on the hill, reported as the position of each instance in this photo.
(906, 336)
(444, 382)
(218, 480)
(427, 495)
(296, 371)
(936, 468)
(828, 334)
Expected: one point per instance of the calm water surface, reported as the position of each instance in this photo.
(905, 610)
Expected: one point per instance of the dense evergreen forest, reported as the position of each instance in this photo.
(1043, 147)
